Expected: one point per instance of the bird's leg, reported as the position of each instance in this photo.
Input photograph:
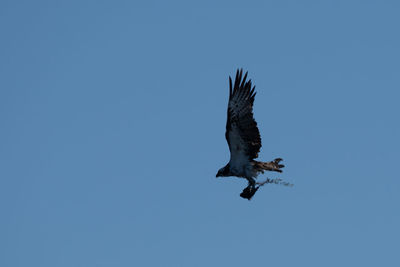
(251, 181)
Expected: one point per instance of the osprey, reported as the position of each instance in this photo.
(244, 139)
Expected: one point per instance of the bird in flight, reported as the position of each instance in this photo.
(244, 139)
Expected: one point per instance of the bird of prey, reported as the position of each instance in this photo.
(244, 139)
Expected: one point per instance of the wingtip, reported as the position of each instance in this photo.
(253, 92)
(244, 80)
(230, 86)
(240, 82)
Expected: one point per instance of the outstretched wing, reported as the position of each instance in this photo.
(242, 134)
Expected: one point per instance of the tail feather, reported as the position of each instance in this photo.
(269, 166)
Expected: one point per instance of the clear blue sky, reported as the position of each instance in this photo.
(112, 130)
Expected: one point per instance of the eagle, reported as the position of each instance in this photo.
(244, 138)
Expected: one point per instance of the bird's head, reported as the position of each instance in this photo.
(223, 171)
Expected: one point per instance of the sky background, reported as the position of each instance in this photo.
(113, 115)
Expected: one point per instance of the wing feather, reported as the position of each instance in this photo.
(242, 133)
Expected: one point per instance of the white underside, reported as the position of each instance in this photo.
(239, 162)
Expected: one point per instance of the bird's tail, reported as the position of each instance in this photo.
(269, 166)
